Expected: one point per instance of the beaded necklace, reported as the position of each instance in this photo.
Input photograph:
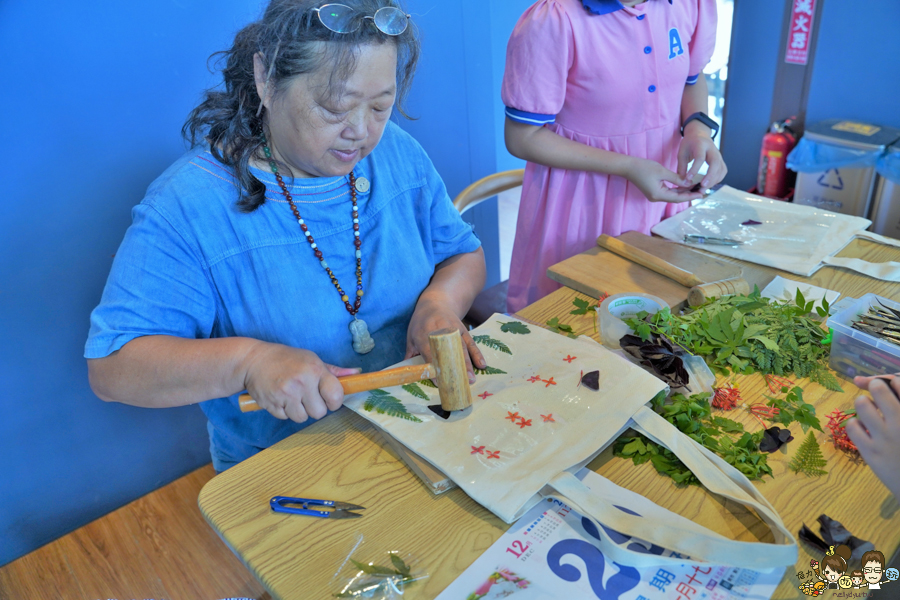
(362, 341)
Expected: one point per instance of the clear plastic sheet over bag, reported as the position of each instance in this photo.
(777, 234)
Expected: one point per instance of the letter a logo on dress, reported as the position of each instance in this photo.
(675, 47)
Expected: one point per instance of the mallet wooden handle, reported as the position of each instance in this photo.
(364, 382)
(645, 259)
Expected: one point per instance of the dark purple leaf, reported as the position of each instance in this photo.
(751, 222)
(591, 380)
(774, 438)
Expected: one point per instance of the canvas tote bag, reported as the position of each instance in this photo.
(533, 424)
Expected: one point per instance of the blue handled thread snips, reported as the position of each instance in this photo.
(341, 509)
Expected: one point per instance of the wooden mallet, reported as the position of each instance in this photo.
(448, 368)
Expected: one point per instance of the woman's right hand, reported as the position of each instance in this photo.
(651, 177)
(292, 383)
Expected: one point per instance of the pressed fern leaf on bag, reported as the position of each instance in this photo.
(415, 390)
(809, 459)
(489, 371)
(384, 404)
(486, 340)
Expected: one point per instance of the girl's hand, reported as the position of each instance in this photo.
(697, 146)
(876, 430)
(650, 177)
(292, 383)
(430, 316)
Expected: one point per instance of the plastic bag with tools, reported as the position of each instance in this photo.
(376, 574)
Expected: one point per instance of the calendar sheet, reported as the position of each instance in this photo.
(547, 555)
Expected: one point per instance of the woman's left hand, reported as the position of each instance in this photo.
(430, 316)
(698, 147)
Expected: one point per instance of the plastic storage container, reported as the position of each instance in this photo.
(886, 205)
(854, 352)
(835, 161)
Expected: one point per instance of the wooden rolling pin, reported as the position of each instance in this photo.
(448, 368)
(700, 290)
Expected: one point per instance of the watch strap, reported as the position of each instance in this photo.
(703, 118)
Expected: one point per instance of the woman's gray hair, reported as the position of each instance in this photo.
(288, 38)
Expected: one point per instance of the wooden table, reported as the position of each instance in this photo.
(343, 458)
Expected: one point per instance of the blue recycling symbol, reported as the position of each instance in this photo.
(831, 181)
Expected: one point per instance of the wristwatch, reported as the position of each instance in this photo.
(703, 118)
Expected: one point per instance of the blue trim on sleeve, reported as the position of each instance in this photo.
(691, 80)
(602, 7)
(520, 116)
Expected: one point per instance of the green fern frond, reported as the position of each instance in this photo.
(486, 340)
(809, 459)
(489, 371)
(416, 391)
(427, 383)
(826, 379)
(385, 404)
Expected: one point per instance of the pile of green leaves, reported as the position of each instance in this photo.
(792, 408)
(692, 416)
(744, 334)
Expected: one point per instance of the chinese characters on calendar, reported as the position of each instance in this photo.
(547, 554)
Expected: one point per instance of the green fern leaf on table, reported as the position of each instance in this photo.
(809, 459)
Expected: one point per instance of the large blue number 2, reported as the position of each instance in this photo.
(627, 578)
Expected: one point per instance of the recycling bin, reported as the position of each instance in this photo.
(835, 163)
(886, 205)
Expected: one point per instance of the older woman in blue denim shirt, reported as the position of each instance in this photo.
(302, 210)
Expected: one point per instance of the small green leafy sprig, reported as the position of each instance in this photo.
(744, 334)
(809, 459)
(692, 416)
(583, 307)
(561, 328)
(361, 587)
(792, 408)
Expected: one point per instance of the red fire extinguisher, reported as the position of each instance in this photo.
(773, 177)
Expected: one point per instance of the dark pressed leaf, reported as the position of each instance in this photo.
(591, 380)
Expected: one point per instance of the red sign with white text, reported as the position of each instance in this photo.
(800, 32)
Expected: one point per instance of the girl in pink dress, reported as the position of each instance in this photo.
(597, 93)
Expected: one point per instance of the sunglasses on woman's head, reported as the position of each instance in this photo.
(340, 18)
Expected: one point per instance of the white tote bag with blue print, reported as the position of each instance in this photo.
(533, 424)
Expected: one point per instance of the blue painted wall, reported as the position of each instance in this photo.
(755, 35)
(456, 99)
(94, 101)
(857, 70)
